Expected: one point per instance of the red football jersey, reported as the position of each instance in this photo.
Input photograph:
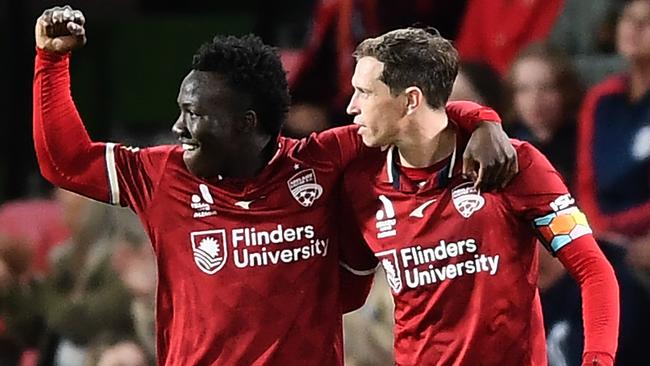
(248, 269)
(462, 264)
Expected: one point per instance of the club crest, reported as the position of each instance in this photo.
(467, 199)
(209, 249)
(304, 188)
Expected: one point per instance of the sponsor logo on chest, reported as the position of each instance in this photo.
(421, 265)
(209, 249)
(249, 247)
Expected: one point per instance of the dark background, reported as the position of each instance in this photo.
(126, 79)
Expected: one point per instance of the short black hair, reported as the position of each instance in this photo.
(414, 57)
(251, 67)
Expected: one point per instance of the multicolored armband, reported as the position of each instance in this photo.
(560, 228)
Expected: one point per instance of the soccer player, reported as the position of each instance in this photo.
(461, 262)
(243, 222)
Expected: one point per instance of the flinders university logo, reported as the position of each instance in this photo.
(391, 267)
(209, 248)
(467, 199)
(304, 187)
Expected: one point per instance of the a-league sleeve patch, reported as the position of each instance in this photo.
(558, 229)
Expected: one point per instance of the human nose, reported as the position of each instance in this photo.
(352, 108)
(179, 127)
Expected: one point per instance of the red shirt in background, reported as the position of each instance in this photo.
(494, 31)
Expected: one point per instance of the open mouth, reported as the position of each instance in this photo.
(189, 145)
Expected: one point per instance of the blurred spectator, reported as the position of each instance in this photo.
(585, 27)
(478, 82)
(444, 15)
(614, 136)
(545, 92)
(39, 223)
(20, 324)
(368, 331)
(561, 306)
(86, 306)
(305, 118)
(586, 30)
(29, 229)
(494, 31)
(134, 261)
(323, 68)
(639, 259)
(123, 354)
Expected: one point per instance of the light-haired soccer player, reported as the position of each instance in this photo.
(462, 263)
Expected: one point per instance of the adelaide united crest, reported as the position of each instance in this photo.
(304, 188)
(209, 249)
(467, 199)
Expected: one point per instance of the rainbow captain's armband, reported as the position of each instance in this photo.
(558, 229)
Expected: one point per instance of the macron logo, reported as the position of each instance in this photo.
(419, 211)
(386, 219)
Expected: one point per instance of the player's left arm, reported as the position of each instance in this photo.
(540, 196)
(489, 158)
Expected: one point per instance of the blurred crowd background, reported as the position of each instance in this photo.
(77, 278)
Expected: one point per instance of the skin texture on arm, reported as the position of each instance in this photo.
(489, 159)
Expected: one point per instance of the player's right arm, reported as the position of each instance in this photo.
(66, 155)
(539, 196)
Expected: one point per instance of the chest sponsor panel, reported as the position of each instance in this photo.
(430, 240)
(220, 226)
(418, 265)
(250, 247)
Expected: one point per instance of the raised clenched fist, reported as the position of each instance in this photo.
(60, 29)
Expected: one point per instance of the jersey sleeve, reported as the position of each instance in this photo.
(468, 115)
(539, 195)
(599, 289)
(337, 146)
(66, 155)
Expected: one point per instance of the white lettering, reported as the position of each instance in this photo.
(438, 269)
(246, 257)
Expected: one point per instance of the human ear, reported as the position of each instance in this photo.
(414, 99)
(249, 122)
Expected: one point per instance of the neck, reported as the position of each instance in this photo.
(248, 163)
(639, 79)
(427, 139)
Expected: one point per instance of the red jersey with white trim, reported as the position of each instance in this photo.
(248, 269)
(462, 264)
